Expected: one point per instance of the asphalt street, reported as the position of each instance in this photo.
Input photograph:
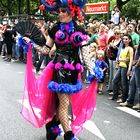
(109, 121)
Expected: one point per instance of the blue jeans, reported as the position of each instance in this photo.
(18, 51)
(137, 77)
(132, 89)
(14, 54)
(121, 74)
(112, 64)
(134, 85)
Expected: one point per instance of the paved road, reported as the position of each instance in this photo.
(109, 122)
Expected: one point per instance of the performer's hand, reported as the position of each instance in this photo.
(45, 50)
(26, 40)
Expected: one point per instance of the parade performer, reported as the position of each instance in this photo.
(60, 84)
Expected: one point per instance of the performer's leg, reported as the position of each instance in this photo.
(63, 111)
(52, 127)
(63, 116)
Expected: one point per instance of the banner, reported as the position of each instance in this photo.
(96, 8)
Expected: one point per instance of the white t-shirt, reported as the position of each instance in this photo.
(1, 38)
(115, 17)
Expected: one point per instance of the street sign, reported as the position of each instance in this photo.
(96, 8)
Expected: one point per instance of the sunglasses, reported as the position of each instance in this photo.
(116, 33)
(61, 11)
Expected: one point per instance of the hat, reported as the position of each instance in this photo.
(74, 6)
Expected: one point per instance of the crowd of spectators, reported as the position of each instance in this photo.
(115, 44)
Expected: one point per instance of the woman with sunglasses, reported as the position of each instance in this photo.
(124, 70)
(64, 86)
(113, 45)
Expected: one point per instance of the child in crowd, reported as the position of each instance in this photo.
(92, 52)
(103, 65)
(92, 56)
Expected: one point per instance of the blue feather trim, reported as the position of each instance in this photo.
(65, 88)
(56, 130)
(20, 42)
(98, 74)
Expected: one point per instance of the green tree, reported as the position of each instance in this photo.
(132, 9)
(12, 7)
(7, 5)
(121, 3)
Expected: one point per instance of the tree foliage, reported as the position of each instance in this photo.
(7, 6)
(129, 8)
(121, 3)
(132, 9)
(12, 7)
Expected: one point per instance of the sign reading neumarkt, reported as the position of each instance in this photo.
(96, 8)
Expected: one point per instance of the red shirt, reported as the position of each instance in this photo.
(103, 38)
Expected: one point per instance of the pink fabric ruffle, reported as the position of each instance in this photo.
(83, 105)
(38, 104)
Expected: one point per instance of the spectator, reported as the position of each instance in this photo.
(123, 23)
(103, 65)
(92, 54)
(103, 38)
(133, 34)
(94, 35)
(124, 71)
(1, 41)
(8, 40)
(110, 31)
(114, 43)
(115, 15)
(92, 50)
(134, 83)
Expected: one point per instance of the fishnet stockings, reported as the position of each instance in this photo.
(62, 111)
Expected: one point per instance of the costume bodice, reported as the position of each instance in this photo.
(67, 38)
(67, 53)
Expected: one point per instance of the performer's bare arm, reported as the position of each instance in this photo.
(46, 48)
(52, 51)
(49, 44)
